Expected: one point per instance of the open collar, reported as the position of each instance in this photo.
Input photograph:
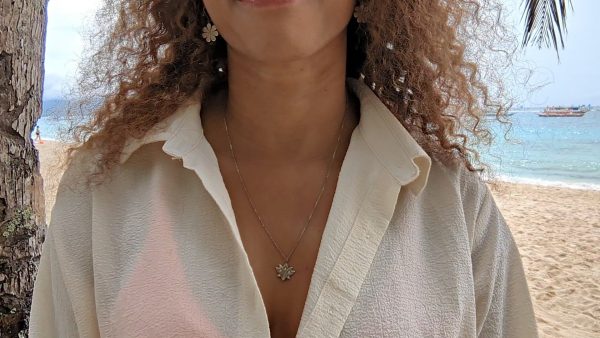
(387, 138)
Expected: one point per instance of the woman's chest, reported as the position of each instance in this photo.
(281, 222)
(415, 289)
(199, 283)
(282, 256)
(170, 262)
(284, 300)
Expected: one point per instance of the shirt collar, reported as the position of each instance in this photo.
(387, 138)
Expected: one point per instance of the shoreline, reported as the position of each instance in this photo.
(557, 231)
(547, 183)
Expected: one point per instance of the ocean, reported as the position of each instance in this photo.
(554, 151)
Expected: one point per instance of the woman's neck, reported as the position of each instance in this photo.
(289, 110)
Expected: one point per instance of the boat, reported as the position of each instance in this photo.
(564, 111)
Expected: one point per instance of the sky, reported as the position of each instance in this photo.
(574, 80)
(64, 42)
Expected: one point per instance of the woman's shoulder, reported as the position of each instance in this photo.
(465, 183)
(457, 186)
(137, 155)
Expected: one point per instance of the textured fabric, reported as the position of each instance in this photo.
(411, 248)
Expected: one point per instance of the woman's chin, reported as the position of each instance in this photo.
(267, 3)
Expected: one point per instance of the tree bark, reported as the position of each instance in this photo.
(22, 219)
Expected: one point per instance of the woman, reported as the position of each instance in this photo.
(281, 168)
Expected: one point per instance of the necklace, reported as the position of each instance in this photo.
(285, 271)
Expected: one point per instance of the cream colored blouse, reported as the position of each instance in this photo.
(411, 248)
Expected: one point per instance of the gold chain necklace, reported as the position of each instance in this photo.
(285, 270)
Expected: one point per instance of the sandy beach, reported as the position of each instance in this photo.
(51, 153)
(558, 234)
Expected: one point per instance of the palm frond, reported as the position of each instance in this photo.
(545, 23)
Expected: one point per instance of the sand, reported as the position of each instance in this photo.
(51, 153)
(558, 234)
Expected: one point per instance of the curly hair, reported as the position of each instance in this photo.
(415, 58)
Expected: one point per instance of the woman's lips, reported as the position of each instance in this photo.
(266, 3)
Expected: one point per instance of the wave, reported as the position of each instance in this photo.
(549, 183)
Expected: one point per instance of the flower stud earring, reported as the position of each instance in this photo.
(359, 13)
(210, 33)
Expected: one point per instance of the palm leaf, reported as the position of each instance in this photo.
(545, 23)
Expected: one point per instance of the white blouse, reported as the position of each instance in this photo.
(411, 248)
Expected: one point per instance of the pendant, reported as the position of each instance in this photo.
(285, 271)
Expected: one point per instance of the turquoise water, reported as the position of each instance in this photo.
(558, 151)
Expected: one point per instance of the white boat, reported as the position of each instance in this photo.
(563, 112)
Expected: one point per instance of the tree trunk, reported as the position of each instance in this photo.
(22, 219)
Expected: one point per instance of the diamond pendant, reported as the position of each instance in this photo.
(284, 271)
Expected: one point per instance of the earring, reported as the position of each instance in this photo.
(359, 13)
(209, 32)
